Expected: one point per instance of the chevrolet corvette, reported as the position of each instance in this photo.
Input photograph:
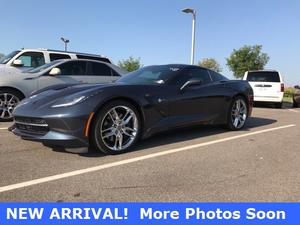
(112, 117)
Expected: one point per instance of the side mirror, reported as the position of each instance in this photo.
(55, 71)
(17, 63)
(297, 87)
(189, 83)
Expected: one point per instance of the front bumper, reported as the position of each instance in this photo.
(56, 130)
(52, 138)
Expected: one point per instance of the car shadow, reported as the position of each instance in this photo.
(264, 105)
(254, 122)
(285, 105)
(185, 134)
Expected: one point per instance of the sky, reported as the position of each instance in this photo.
(156, 30)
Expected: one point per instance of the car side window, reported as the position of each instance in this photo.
(73, 68)
(32, 59)
(115, 74)
(98, 69)
(54, 56)
(193, 73)
(216, 76)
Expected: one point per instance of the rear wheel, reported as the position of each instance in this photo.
(9, 99)
(237, 113)
(117, 128)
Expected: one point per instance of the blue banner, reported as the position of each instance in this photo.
(149, 213)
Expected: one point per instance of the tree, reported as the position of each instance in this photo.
(210, 63)
(247, 58)
(130, 64)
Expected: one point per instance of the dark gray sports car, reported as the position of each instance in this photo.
(112, 117)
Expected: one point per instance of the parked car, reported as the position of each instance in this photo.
(24, 59)
(15, 87)
(112, 117)
(267, 85)
(296, 97)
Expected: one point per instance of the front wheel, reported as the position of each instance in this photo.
(9, 99)
(117, 127)
(237, 114)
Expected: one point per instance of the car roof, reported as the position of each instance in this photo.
(90, 60)
(181, 66)
(60, 51)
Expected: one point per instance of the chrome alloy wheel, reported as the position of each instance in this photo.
(239, 113)
(119, 128)
(8, 102)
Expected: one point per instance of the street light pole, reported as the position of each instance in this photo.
(193, 38)
(193, 12)
(66, 41)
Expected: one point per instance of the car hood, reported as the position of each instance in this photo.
(49, 96)
(10, 79)
(10, 70)
(69, 89)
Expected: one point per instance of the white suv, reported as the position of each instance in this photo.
(267, 86)
(24, 59)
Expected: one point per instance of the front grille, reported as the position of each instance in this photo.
(32, 125)
(37, 121)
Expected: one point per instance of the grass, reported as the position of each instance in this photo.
(288, 99)
(288, 93)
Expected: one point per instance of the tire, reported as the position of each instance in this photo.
(236, 118)
(9, 99)
(278, 105)
(116, 128)
(295, 104)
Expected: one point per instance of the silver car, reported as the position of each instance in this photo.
(15, 87)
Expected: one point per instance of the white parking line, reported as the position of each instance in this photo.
(132, 160)
(3, 128)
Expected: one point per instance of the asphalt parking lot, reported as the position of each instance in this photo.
(259, 163)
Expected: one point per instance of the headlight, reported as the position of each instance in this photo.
(32, 96)
(69, 102)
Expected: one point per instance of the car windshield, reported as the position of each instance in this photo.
(8, 57)
(151, 75)
(43, 67)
